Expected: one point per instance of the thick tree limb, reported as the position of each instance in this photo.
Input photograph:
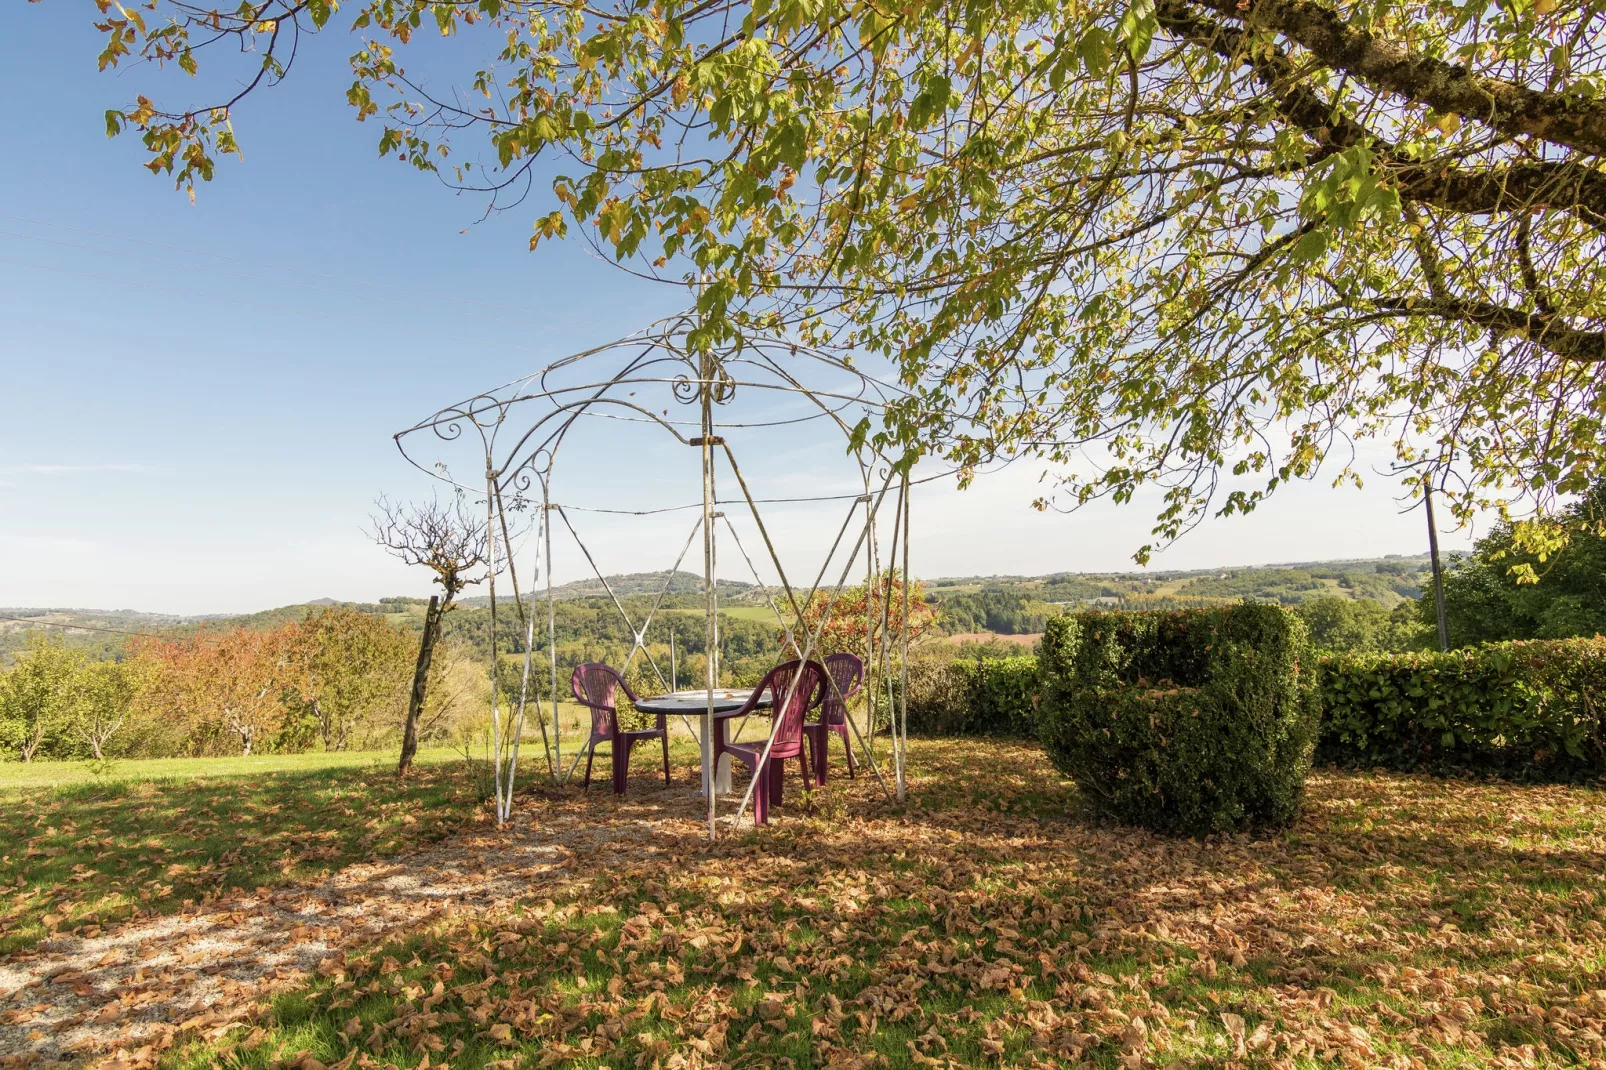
(1512, 109)
(1524, 186)
(1294, 99)
(1517, 187)
(1548, 332)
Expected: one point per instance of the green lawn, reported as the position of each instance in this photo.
(762, 614)
(15, 775)
(79, 851)
(1404, 922)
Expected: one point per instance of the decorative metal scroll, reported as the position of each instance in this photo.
(665, 378)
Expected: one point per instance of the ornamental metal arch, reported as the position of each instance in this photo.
(673, 377)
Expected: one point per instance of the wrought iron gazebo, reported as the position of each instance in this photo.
(672, 378)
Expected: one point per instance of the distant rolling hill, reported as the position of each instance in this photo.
(1389, 580)
(104, 631)
(637, 583)
(100, 630)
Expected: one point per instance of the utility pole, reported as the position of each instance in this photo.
(1438, 572)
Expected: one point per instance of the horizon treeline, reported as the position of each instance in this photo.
(307, 677)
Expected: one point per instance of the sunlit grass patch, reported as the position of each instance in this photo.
(157, 836)
(20, 776)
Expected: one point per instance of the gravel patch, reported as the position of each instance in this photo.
(121, 997)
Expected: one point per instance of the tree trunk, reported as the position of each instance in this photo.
(29, 747)
(415, 700)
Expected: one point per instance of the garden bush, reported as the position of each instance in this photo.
(973, 696)
(1191, 721)
(1521, 710)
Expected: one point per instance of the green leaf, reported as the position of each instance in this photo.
(1137, 28)
(1310, 247)
(1094, 50)
(856, 439)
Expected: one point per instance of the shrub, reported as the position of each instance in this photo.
(1192, 721)
(1487, 597)
(1004, 695)
(973, 696)
(1522, 710)
(937, 693)
(1362, 626)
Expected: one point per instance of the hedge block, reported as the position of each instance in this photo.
(1192, 721)
(974, 696)
(1520, 710)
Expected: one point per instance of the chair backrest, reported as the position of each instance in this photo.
(809, 679)
(594, 686)
(846, 673)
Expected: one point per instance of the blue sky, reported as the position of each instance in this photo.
(199, 399)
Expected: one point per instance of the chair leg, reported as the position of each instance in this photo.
(621, 763)
(777, 778)
(761, 799)
(665, 738)
(591, 752)
(804, 763)
(819, 753)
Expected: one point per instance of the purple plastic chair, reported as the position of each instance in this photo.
(769, 772)
(845, 674)
(594, 686)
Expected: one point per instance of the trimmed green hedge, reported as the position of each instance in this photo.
(974, 697)
(1194, 721)
(1521, 710)
(1524, 710)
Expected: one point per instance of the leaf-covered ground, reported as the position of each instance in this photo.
(78, 858)
(1404, 922)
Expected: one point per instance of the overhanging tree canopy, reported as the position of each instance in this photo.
(1157, 240)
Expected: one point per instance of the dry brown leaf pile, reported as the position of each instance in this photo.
(1405, 922)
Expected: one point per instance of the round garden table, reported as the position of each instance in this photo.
(727, 702)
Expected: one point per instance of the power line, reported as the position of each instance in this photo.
(82, 627)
